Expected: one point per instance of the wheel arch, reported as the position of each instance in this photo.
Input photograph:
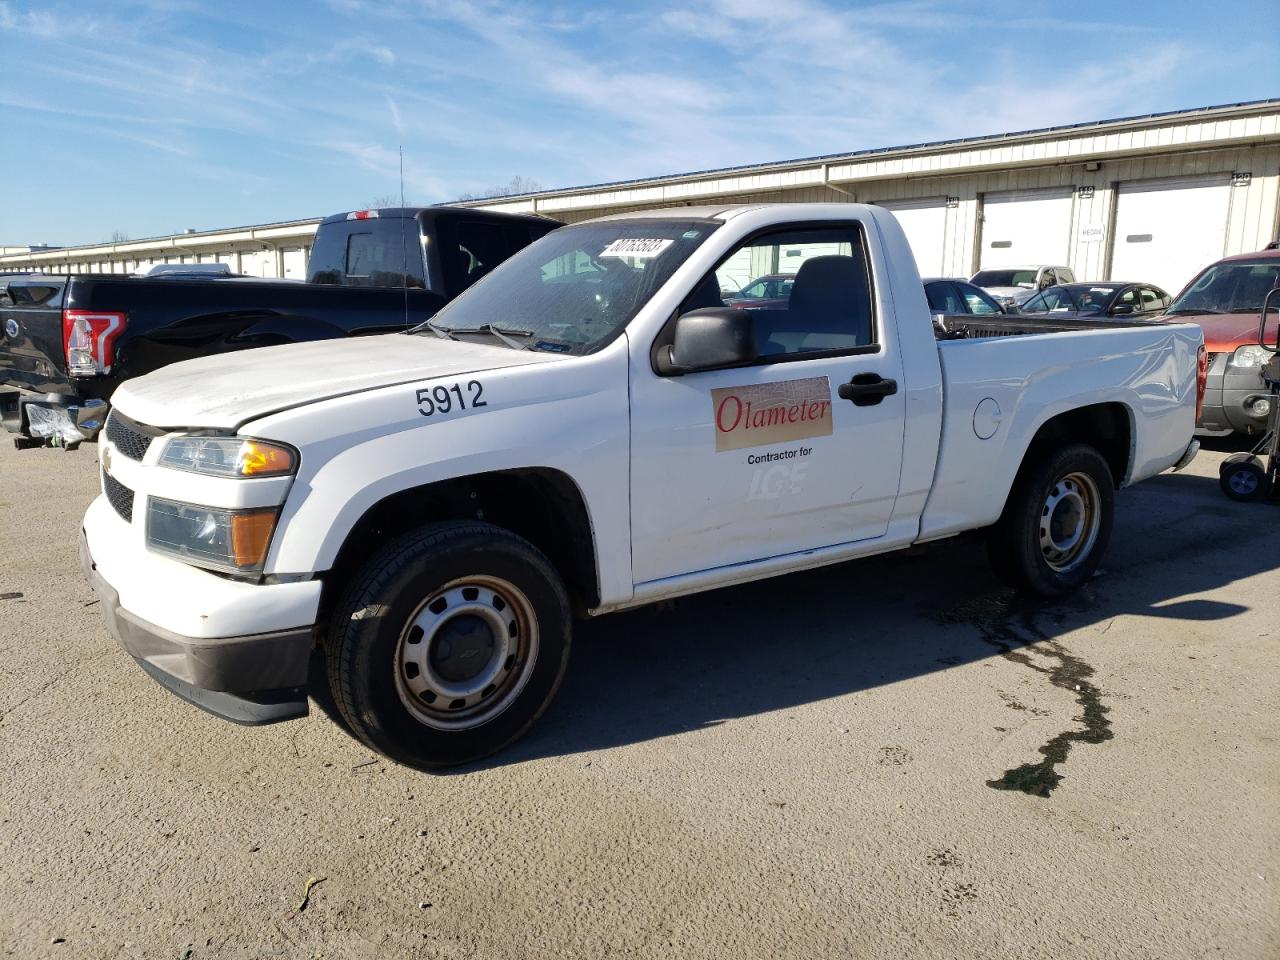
(1107, 426)
(541, 504)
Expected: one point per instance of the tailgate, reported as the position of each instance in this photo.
(31, 350)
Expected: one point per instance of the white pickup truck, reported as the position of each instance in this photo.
(588, 429)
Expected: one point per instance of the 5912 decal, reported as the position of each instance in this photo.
(442, 398)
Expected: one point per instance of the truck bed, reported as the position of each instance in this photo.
(1001, 380)
(969, 327)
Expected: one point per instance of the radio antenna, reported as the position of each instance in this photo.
(404, 252)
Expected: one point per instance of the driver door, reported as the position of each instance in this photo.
(734, 465)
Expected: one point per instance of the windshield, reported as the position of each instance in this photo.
(1005, 278)
(575, 289)
(1229, 288)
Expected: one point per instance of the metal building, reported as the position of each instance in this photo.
(1143, 198)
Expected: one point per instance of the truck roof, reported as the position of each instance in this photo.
(429, 213)
(1259, 255)
(720, 211)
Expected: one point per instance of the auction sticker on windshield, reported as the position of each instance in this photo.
(760, 413)
(636, 247)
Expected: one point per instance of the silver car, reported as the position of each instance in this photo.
(1013, 286)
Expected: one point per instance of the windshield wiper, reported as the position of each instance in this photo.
(501, 333)
(444, 333)
(1194, 310)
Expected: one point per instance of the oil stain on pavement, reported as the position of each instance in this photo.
(1009, 624)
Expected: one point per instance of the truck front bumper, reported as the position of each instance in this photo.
(1231, 399)
(253, 679)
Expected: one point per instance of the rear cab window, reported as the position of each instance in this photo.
(377, 252)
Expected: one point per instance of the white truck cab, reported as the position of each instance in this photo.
(590, 428)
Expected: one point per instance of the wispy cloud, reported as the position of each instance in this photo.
(296, 110)
(397, 121)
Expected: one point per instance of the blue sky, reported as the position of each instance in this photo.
(151, 116)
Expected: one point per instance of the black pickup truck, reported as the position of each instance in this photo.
(67, 341)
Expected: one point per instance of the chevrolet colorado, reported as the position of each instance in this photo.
(587, 429)
(67, 341)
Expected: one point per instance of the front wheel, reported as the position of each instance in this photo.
(449, 644)
(1056, 523)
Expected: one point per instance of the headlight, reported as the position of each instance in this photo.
(229, 457)
(1250, 355)
(232, 541)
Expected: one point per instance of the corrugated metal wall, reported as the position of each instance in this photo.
(1253, 215)
(958, 177)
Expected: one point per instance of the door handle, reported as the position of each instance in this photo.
(867, 389)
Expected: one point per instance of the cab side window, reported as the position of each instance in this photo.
(1128, 299)
(824, 300)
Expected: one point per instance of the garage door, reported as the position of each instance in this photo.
(1026, 227)
(295, 264)
(925, 224)
(258, 263)
(1166, 231)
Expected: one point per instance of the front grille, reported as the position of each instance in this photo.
(130, 438)
(119, 496)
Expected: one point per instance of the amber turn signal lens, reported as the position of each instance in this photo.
(261, 459)
(251, 536)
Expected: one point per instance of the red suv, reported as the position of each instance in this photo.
(1225, 299)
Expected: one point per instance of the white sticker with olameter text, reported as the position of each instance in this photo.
(635, 247)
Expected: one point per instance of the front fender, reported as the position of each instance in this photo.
(570, 416)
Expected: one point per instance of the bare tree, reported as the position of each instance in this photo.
(119, 236)
(381, 201)
(517, 186)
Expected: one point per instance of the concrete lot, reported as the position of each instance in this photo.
(809, 767)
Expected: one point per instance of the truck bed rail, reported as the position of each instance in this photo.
(967, 327)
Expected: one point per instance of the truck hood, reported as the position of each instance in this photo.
(1223, 332)
(223, 391)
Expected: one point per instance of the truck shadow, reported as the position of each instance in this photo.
(741, 651)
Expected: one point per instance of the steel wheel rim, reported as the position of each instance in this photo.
(483, 622)
(1069, 521)
(1243, 482)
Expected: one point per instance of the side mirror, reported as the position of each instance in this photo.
(710, 337)
(1122, 310)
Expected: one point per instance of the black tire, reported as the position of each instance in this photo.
(1242, 477)
(373, 624)
(1018, 552)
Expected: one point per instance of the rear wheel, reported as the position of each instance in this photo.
(1242, 477)
(1056, 523)
(449, 644)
